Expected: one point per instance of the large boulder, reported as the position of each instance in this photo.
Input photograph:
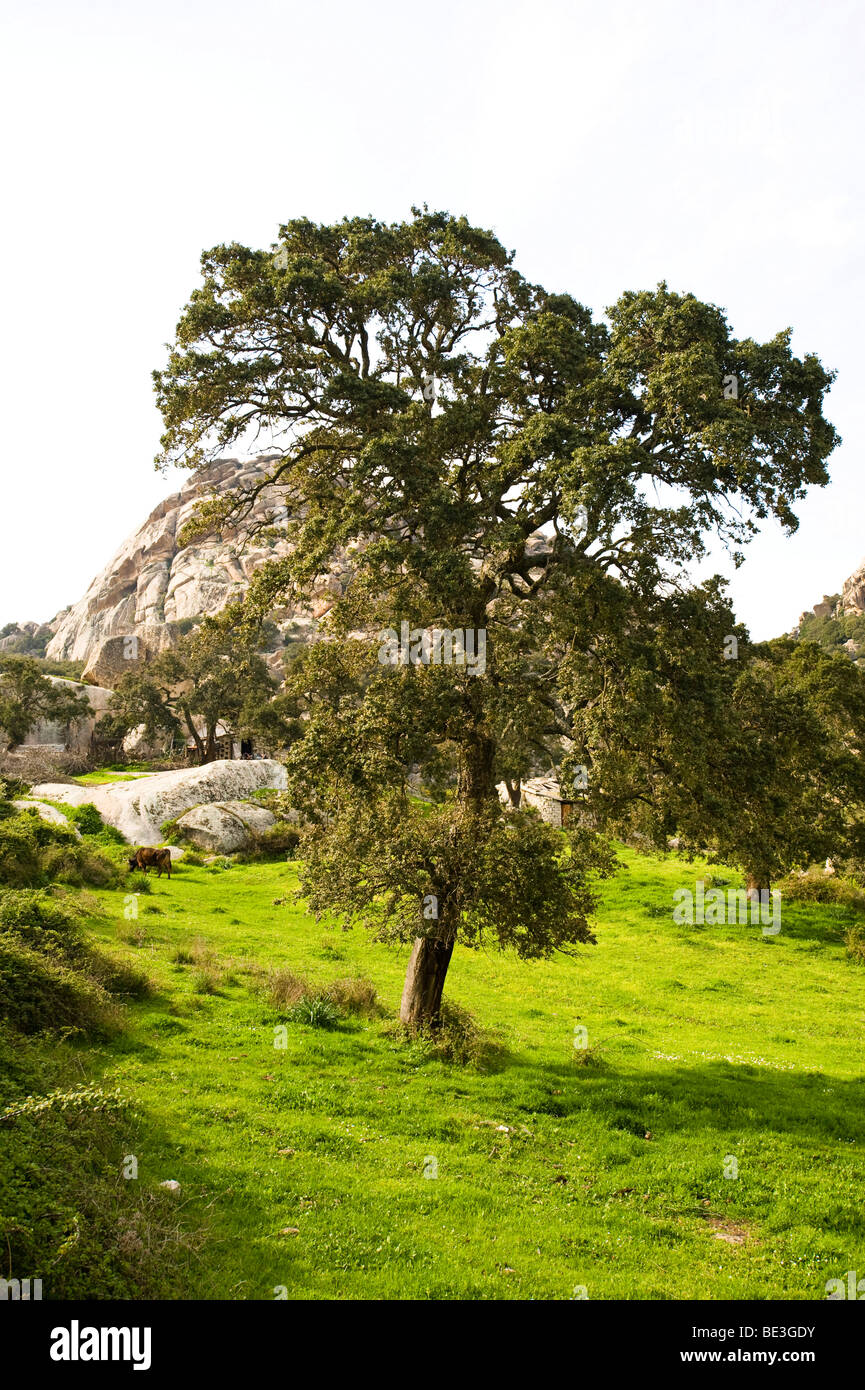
(139, 809)
(48, 813)
(225, 826)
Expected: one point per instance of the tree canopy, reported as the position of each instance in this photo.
(211, 675)
(28, 698)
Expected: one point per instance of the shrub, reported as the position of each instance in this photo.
(121, 980)
(138, 882)
(206, 981)
(588, 1057)
(279, 842)
(816, 886)
(456, 1038)
(11, 788)
(35, 765)
(854, 941)
(80, 1225)
(354, 996)
(316, 1011)
(34, 853)
(286, 989)
(20, 851)
(87, 818)
(38, 992)
(40, 921)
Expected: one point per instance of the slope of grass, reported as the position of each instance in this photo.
(352, 1164)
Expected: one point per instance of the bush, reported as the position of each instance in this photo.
(354, 996)
(42, 922)
(279, 842)
(35, 853)
(285, 989)
(38, 992)
(316, 1011)
(35, 765)
(300, 1002)
(854, 941)
(206, 981)
(456, 1038)
(49, 975)
(137, 882)
(87, 818)
(67, 1215)
(89, 822)
(816, 886)
(11, 789)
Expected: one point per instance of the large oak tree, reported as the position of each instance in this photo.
(494, 459)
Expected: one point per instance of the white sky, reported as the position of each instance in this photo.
(612, 144)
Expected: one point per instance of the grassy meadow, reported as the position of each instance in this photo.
(351, 1163)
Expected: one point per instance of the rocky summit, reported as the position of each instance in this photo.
(155, 588)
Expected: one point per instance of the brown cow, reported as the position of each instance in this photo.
(145, 859)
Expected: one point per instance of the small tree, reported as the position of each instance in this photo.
(212, 676)
(28, 698)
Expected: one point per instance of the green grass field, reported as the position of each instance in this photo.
(308, 1171)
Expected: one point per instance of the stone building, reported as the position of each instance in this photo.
(545, 795)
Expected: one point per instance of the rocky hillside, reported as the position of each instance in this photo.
(154, 589)
(838, 622)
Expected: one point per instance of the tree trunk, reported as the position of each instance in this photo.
(425, 980)
(477, 773)
(199, 746)
(211, 745)
(431, 953)
(758, 883)
(514, 791)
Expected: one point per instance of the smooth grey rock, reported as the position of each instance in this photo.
(138, 809)
(225, 826)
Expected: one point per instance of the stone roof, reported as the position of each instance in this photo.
(544, 786)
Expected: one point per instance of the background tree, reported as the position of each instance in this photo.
(213, 675)
(754, 759)
(496, 461)
(28, 698)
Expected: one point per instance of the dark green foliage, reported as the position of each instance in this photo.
(315, 1011)
(39, 991)
(49, 976)
(42, 921)
(209, 677)
(816, 886)
(87, 818)
(25, 643)
(458, 1038)
(27, 697)
(279, 842)
(832, 633)
(67, 1216)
